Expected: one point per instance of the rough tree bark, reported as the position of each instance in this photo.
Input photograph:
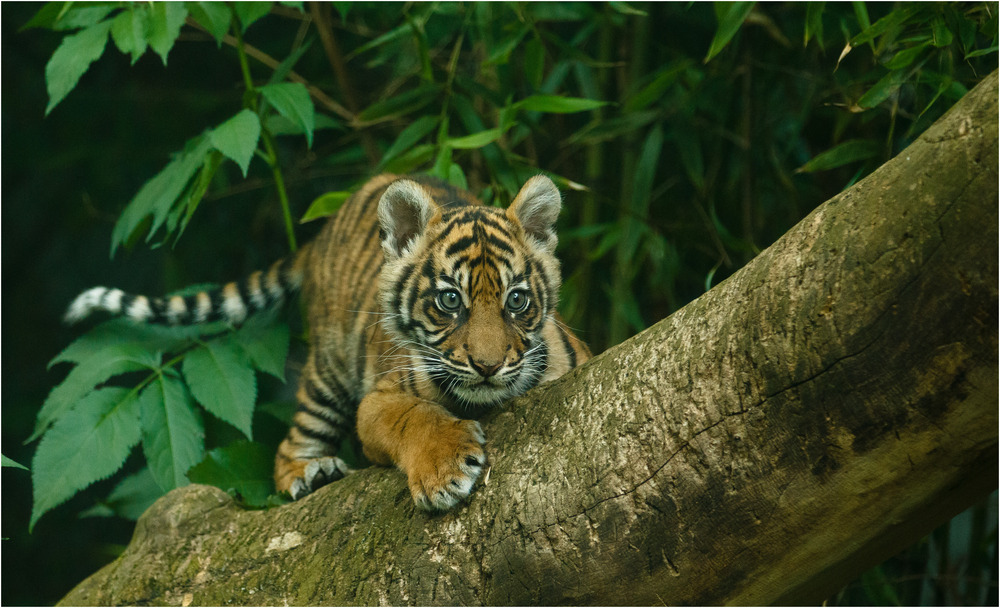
(808, 417)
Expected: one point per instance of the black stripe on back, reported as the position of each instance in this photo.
(567, 345)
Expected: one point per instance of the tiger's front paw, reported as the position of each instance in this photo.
(443, 472)
(317, 473)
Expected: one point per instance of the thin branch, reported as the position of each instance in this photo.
(322, 98)
(321, 17)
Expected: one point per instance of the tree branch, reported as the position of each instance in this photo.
(825, 406)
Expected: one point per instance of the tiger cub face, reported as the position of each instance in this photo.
(467, 289)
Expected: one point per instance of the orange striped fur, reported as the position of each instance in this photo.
(425, 307)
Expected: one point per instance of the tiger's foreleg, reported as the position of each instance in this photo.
(307, 458)
(441, 455)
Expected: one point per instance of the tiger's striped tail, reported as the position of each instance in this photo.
(233, 302)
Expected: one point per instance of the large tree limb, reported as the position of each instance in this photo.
(813, 414)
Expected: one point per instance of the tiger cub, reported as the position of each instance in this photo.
(423, 304)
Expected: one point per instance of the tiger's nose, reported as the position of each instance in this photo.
(485, 369)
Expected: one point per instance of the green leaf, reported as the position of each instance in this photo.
(7, 462)
(134, 494)
(222, 380)
(248, 12)
(814, 23)
(286, 65)
(555, 104)
(475, 140)
(689, 149)
(399, 105)
(128, 30)
(165, 21)
(895, 17)
(88, 444)
(980, 52)
(882, 89)
(325, 205)
(195, 194)
(401, 31)
(72, 59)
(905, 57)
(213, 16)
(730, 16)
(266, 342)
(626, 9)
(237, 138)
(343, 8)
(173, 434)
(665, 78)
(291, 100)
(244, 467)
(942, 36)
(117, 332)
(413, 133)
(69, 15)
(534, 62)
(130, 498)
(157, 196)
(408, 161)
(502, 50)
(456, 177)
(85, 376)
(848, 152)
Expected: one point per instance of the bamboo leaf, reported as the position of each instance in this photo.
(399, 105)
(555, 104)
(88, 444)
(72, 60)
(689, 150)
(501, 52)
(905, 57)
(325, 205)
(842, 154)
(896, 17)
(534, 62)
(475, 140)
(730, 16)
(814, 23)
(409, 136)
(980, 52)
(882, 89)
(942, 36)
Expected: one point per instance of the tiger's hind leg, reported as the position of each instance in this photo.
(307, 458)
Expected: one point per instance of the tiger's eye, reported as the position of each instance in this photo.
(517, 301)
(449, 300)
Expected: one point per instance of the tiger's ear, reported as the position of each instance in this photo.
(536, 208)
(403, 213)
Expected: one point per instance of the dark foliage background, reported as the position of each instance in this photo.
(712, 146)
